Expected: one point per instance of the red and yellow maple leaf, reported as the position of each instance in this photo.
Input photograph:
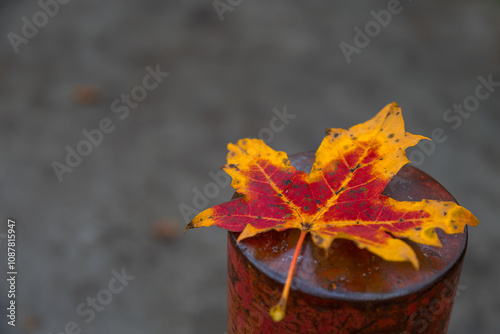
(340, 198)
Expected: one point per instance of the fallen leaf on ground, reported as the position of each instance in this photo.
(167, 229)
(87, 95)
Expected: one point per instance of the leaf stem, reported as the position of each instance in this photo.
(277, 312)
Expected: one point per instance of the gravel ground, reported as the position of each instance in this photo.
(116, 212)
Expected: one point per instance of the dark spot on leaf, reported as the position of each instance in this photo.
(287, 182)
(318, 239)
(338, 192)
(391, 135)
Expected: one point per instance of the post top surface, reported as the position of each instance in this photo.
(347, 272)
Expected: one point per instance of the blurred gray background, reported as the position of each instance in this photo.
(119, 207)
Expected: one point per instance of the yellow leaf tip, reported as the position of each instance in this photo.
(239, 238)
(412, 258)
(473, 222)
(415, 263)
(189, 226)
(422, 137)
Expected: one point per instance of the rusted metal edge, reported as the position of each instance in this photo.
(298, 285)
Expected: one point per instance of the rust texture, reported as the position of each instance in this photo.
(345, 289)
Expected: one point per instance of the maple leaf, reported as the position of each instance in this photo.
(340, 198)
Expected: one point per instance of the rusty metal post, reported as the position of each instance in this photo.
(346, 289)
